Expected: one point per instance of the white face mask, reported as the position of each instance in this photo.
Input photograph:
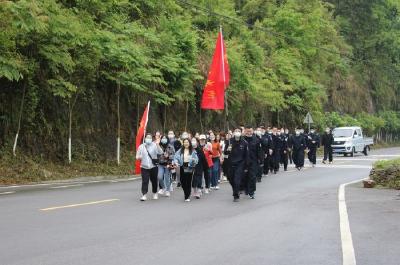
(164, 141)
(312, 131)
(171, 136)
(258, 133)
(327, 131)
(194, 144)
(148, 140)
(297, 132)
(237, 134)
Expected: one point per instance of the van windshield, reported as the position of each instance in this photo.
(342, 132)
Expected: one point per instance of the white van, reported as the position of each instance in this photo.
(350, 140)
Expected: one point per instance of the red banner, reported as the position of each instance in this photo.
(141, 133)
(218, 78)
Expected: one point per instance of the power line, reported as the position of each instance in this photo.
(276, 34)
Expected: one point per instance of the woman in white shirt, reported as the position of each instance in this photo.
(147, 154)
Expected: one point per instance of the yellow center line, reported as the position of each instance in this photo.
(77, 205)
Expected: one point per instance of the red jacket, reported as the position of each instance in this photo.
(208, 154)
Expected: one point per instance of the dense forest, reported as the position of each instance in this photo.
(87, 68)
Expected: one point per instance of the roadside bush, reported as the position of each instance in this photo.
(387, 173)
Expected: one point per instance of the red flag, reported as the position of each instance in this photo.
(140, 133)
(218, 78)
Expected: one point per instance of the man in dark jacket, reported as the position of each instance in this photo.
(313, 143)
(284, 156)
(298, 145)
(255, 158)
(237, 152)
(327, 141)
(278, 146)
(267, 146)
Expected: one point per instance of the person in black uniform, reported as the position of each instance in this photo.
(255, 157)
(270, 155)
(267, 145)
(298, 145)
(278, 145)
(237, 153)
(313, 142)
(264, 144)
(285, 149)
(327, 141)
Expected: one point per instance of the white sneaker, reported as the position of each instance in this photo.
(217, 188)
(225, 179)
(155, 196)
(144, 198)
(207, 191)
(187, 200)
(161, 192)
(167, 194)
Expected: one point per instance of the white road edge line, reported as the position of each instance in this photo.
(349, 257)
(66, 186)
(77, 205)
(74, 183)
(7, 192)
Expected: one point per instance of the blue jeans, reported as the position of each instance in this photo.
(215, 172)
(164, 177)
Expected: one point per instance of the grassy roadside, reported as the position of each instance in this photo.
(25, 169)
(386, 173)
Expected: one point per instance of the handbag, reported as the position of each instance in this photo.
(155, 161)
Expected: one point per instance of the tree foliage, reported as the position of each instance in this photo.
(287, 58)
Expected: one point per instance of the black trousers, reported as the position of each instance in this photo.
(298, 157)
(186, 181)
(260, 172)
(312, 155)
(276, 159)
(249, 181)
(328, 153)
(284, 158)
(271, 162)
(235, 174)
(266, 165)
(149, 174)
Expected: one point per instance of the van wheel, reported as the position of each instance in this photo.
(366, 149)
(352, 152)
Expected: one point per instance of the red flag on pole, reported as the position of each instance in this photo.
(141, 133)
(218, 78)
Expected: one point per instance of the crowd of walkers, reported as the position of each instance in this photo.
(199, 163)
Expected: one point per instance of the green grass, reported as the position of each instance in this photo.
(386, 173)
(25, 169)
(385, 164)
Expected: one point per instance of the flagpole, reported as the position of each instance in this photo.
(223, 75)
(147, 120)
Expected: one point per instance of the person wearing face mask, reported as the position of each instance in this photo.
(263, 144)
(186, 158)
(289, 136)
(200, 168)
(207, 150)
(236, 151)
(255, 158)
(216, 157)
(313, 142)
(225, 163)
(147, 153)
(164, 166)
(267, 147)
(327, 141)
(298, 145)
(278, 146)
(270, 155)
(176, 144)
(284, 155)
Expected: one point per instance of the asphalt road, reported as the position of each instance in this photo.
(293, 220)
